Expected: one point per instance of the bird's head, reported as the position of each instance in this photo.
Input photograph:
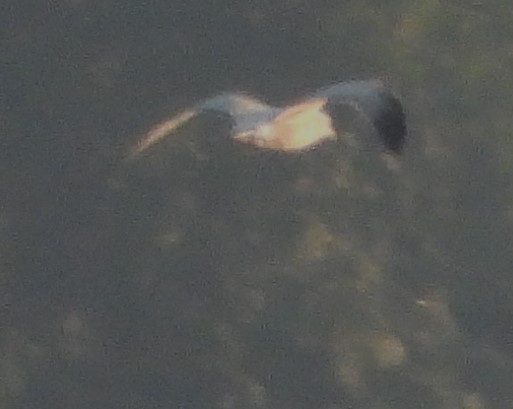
(261, 136)
(255, 128)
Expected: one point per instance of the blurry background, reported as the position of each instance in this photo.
(208, 275)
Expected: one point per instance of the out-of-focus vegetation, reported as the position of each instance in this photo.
(208, 275)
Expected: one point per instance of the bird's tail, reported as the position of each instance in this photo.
(160, 131)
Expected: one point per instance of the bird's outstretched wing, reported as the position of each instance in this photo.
(376, 102)
(232, 105)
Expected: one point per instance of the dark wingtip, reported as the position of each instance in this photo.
(391, 124)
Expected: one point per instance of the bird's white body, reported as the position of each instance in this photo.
(293, 129)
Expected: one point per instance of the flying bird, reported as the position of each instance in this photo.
(295, 127)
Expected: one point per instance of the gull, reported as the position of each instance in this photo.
(296, 127)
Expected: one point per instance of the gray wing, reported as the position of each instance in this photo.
(239, 108)
(245, 112)
(377, 103)
(232, 104)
